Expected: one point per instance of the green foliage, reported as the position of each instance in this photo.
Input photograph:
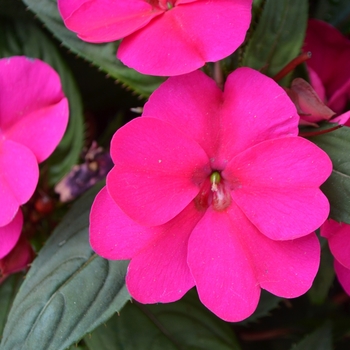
(186, 325)
(278, 36)
(320, 339)
(68, 291)
(21, 36)
(101, 55)
(337, 187)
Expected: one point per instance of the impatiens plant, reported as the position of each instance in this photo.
(218, 190)
(33, 118)
(209, 143)
(162, 37)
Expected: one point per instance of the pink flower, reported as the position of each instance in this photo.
(33, 118)
(214, 189)
(162, 37)
(17, 260)
(329, 66)
(338, 235)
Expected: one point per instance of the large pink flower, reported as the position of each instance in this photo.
(162, 37)
(214, 189)
(329, 66)
(33, 118)
(338, 235)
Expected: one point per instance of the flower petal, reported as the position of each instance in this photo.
(191, 103)
(10, 233)
(343, 275)
(255, 109)
(34, 111)
(157, 172)
(276, 184)
(338, 235)
(224, 276)
(160, 273)
(330, 60)
(187, 36)
(113, 235)
(18, 178)
(107, 20)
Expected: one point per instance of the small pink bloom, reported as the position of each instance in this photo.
(162, 37)
(329, 66)
(33, 118)
(17, 260)
(338, 236)
(214, 189)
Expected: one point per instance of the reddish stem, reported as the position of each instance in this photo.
(316, 133)
(291, 65)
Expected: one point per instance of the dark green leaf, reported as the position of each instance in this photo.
(186, 325)
(335, 12)
(22, 37)
(321, 339)
(102, 55)
(69, 290)
(278, 35)
(337, 187)
(8, 290)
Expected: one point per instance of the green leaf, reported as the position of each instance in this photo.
(186, 325)
(278, 35)
(101, 55)
(335, 12)
(321, 339)
(337, 188)
(324, 278)
(8, 290)
(22, 37)
(69, 290)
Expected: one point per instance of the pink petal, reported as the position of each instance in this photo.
(18, 258)
(338, 235)
(113, 235)
(191, 103)
(105, 20)
(187, 36)
(34, 111)
(343, 275)
(18, 178)
(330, 60)
(317, 84)
(158, 170)
(224, 276)
(10, 234)
(276, 184)
(246, 119)
(160, 273)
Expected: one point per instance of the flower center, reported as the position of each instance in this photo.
(215, 192)
(162, 4)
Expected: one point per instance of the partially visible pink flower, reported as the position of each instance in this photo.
(214, 189)
(338, 236)
(329, 66)
(33, 118)
(162, 37)
(17, 260)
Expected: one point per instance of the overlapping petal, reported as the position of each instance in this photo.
(343, 274)
(18, 178)
(279, 180)
(33, 109)
(105, 20)
(160, 273)
(10, 233)
(330, 60)
(158, 170)
(187, 36)
(113, 234)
